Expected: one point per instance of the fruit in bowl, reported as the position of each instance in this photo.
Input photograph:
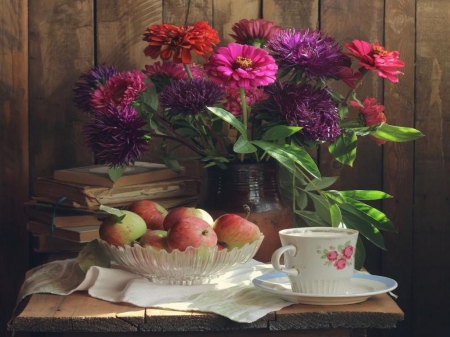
(122, 228)
(149, 210)
(179, 213)
(189, 252)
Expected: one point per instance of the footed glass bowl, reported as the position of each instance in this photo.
(193, 266)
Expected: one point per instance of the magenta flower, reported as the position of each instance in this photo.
(377, 58)
(232, 101)
(347, 252)
(254, 32)
(241, 66)
(349, 77)
(302, 105)
(332, 256)
(88, 82)
(115, 135)
(119, 91)
(340, 264)
(310, 53)
(190, 97)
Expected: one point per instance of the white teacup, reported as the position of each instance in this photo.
(318, 260)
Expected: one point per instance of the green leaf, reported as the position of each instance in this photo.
(322, 206)
(301, 200)
(113, 211)
(280, 132)
(364, 227)
(393, 133)
(115, 173)
(242, 145)
(92, 255)
(344, 148)
(150, 97)
(370, 214)
(286, 153)
(312, 219)
(230, 119)
(360, 254)
(335, 215)
(336, 196)
(365, 194)
(320, 184)
(187, 132)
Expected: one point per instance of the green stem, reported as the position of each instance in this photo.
(188, 70)
(357, 84)
(244, 115)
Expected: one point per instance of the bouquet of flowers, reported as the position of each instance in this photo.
(266, 96)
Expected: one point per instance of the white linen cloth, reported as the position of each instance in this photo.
(231, 295)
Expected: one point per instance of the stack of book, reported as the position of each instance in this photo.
(64, 214)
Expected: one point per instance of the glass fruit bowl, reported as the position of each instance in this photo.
(190, 267)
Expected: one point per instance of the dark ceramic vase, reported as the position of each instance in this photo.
(255, 185)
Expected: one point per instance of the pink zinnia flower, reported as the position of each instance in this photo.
(254, 32)
(349, 77)
(233, 99)
(332, 256)
(347, 252)
(371, 113)
(119, 90)
(340, 264)
(241, 66)
(376, 57)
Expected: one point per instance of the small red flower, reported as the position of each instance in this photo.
(348, 76)
(167, 40)
(371, 113)
(254, 32)
(376, 57)
(340, 264)
(332, 256)
(347, 252)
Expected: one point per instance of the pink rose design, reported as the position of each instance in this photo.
(347, 252)
(340, 264)
(332, 256)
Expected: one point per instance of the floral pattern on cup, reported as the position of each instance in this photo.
(339, 257)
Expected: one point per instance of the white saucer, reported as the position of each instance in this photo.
(362, 286)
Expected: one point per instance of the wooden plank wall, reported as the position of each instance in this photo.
(45, 45)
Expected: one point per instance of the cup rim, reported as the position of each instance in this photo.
(337, 230)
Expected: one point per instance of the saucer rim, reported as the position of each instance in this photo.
(389, 283)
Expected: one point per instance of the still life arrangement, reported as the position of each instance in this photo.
(268, 97)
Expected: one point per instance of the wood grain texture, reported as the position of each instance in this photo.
(14, 151)
(61, 48)
(80, 312)
(292, 13)
(398, 158)
(431, 293)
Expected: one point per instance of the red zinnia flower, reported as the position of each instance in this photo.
(241, 66)
(371, 113)
(254, 32)
(167, 40)
(119, 90)
(348, 76)
(233, 99)
(376, 57)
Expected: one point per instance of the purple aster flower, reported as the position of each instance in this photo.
(311, 53)
(115, 136)
(190, 96)
(87, 83)
(302, 105)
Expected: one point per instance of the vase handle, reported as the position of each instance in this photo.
(276, 256)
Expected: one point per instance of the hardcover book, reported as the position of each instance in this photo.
(77, 234)
(52, 191)
(46, 244)
(97, 175)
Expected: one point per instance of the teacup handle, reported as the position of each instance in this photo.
(276, 259)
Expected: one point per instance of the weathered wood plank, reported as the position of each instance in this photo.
(431, 293)
(292, 13)
(399, 157)
(14, 151)
(366, 171)
(61, 48)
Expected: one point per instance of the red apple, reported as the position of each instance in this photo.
(183, 212)
(235, 231)
(152, 213)
(190, 232)
(122, 229)
(154, 238)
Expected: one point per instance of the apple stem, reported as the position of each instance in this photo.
(247, 210)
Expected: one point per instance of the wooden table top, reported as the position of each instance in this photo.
(81, 313)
